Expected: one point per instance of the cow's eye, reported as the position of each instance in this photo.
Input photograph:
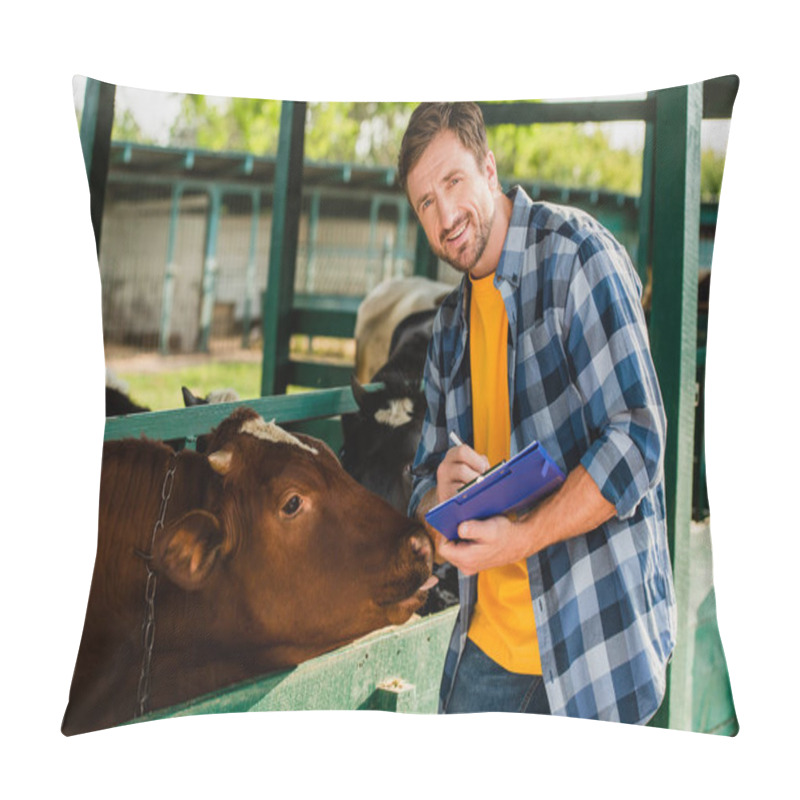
(292, 505)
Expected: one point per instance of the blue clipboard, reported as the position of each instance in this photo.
(510, 487)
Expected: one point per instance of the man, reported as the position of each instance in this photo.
(569, 609)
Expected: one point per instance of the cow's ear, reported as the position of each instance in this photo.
(189, 398)
(188, 549)
(359, 392)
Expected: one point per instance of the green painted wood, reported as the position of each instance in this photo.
(400, 243)
(644, 253)
(316, 375)
(712, 701)
(168, 289)
(411, 655)
(395, 695)
(325, 315)
(700, 504)
(591, 111)
(209, 280)
(252, 267)
(329, 430)
(374, 266)
(673, 330)
(311, 246)
(283, 249)
(199, 420)
(97, 121)
(718, 96)
(426, 263)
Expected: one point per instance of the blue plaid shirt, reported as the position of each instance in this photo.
(582, 382)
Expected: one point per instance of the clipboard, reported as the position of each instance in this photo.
(509, 487)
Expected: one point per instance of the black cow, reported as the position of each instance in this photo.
(118, 400)
(118, 403)
(381, 438)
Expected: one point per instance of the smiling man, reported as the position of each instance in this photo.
(569, 609)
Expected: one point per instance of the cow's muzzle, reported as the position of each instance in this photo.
(412, 574)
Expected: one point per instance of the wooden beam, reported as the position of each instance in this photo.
(426, 263)
(283, 249)
(718, 97)
(591, 111)
(168, 290)
(181, 423)
(95, 132)
(404, 660)
(673, 333)
(210, 268)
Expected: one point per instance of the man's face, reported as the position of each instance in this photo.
(454, 199)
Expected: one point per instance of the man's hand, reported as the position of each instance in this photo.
(460, 466)
(483, 544)
(576, 508)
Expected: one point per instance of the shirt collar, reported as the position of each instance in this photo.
(509, 267)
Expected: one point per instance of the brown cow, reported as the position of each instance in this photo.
(270, 554)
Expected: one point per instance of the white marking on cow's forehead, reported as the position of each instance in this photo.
(398, 413)
(271, 432)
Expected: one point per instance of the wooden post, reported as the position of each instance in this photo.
(168, 292)
(673, 326)
(374, 263)
(283, 249)
(402, 235)
(250, 275)
(95, 132)
(644, 250)
(425, 262)
(209, 285)
(395, 694)
(310, 282)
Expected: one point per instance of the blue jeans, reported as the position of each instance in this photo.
(481, 684)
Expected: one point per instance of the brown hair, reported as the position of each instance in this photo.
(430, 119)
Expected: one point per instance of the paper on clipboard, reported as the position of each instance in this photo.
(510, 487)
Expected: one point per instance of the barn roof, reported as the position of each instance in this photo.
(242, 169)
(142, 164)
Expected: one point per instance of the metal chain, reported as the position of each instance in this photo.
(149, 622)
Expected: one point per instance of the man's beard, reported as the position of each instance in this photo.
(470, 253)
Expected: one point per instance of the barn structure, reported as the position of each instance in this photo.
(185, 254)
(280, 226)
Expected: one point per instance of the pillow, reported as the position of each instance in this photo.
(217, 585)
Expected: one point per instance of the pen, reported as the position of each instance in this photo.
(454, 439)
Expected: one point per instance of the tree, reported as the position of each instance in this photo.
(712, 165)
(369, 133)
(359, 133)
(127, 129)
(237, 124)
(565, 154)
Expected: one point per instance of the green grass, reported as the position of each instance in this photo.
(161, 391)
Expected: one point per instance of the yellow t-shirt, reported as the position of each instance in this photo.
(503, 624)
